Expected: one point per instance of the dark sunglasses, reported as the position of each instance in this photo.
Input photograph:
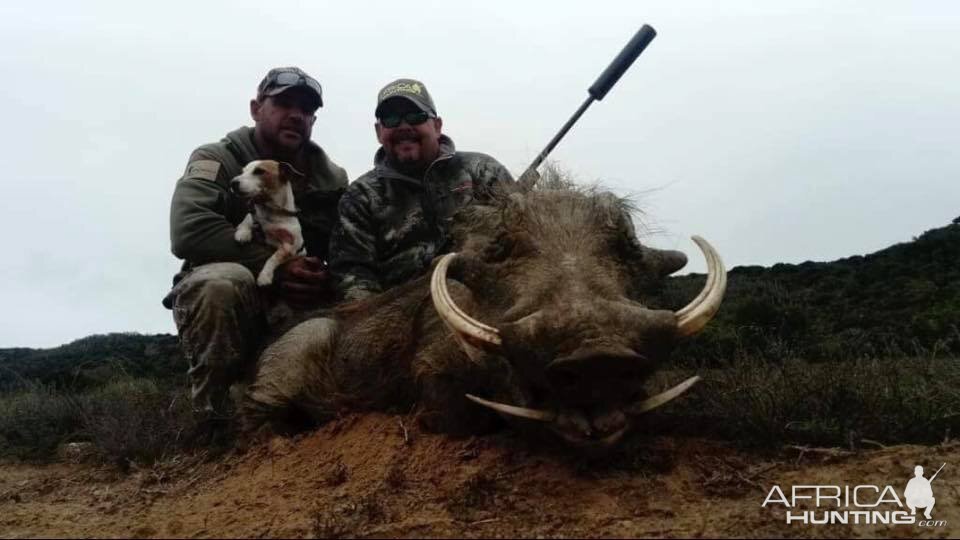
(411, 118)
(291, 78)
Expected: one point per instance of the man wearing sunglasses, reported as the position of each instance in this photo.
(392, 219)
(222, 317)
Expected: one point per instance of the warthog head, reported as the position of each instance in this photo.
(556, 282)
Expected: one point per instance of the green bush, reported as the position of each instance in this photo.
(35, 419)
(136, 420)
(127, 420)
(828, 403)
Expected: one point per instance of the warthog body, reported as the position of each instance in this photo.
(557, 278)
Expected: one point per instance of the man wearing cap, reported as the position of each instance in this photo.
(221, 315)
(392, 220)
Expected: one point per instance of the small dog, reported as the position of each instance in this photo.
(267, 185)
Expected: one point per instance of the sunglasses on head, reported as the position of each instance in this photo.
(291, 78)
(414, 118)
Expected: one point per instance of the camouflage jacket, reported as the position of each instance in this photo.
(204, 214)
(391, 225)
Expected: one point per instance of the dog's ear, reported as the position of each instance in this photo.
(289, 173)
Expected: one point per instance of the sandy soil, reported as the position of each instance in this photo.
(378, 476)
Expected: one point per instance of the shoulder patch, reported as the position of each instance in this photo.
(206, 169)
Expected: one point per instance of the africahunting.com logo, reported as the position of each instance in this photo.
(863, 504)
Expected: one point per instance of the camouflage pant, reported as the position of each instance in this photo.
(223, 319)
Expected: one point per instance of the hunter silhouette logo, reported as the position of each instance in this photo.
(918, 492)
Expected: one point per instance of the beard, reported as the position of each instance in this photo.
(408, 163)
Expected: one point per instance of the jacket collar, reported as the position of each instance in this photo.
(242, 140)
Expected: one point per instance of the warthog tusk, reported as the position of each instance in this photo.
(455, 319)
(663, 397)
(693, 317)
(636, 409)
(513, 410)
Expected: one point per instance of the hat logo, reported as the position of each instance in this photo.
(405, 88)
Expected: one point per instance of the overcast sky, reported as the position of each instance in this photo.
(781, 131)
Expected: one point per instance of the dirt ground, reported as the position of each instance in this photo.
(378, 476)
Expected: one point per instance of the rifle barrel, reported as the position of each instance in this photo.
(563, 131)
(936, 473)
(596, 92)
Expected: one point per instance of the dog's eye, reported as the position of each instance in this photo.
(258, 171)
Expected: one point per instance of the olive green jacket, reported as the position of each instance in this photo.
(204, 213)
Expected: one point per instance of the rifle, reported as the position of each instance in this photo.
(936, 473)
(597, 91)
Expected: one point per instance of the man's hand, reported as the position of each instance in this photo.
(304, 282)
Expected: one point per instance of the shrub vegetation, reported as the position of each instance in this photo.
(863, 348)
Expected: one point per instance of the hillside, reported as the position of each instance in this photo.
(902, 300)
(137, 466)
(93, 360)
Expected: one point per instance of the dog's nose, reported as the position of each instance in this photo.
(235, 185)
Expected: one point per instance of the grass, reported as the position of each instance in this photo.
(128, 420)
(137, 421)
(35, 420)
(760, 403)
(915, 400)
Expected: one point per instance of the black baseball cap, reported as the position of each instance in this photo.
(409, 89)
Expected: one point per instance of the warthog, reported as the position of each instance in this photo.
(536, 316)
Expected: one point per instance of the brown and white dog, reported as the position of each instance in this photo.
(266, 184)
